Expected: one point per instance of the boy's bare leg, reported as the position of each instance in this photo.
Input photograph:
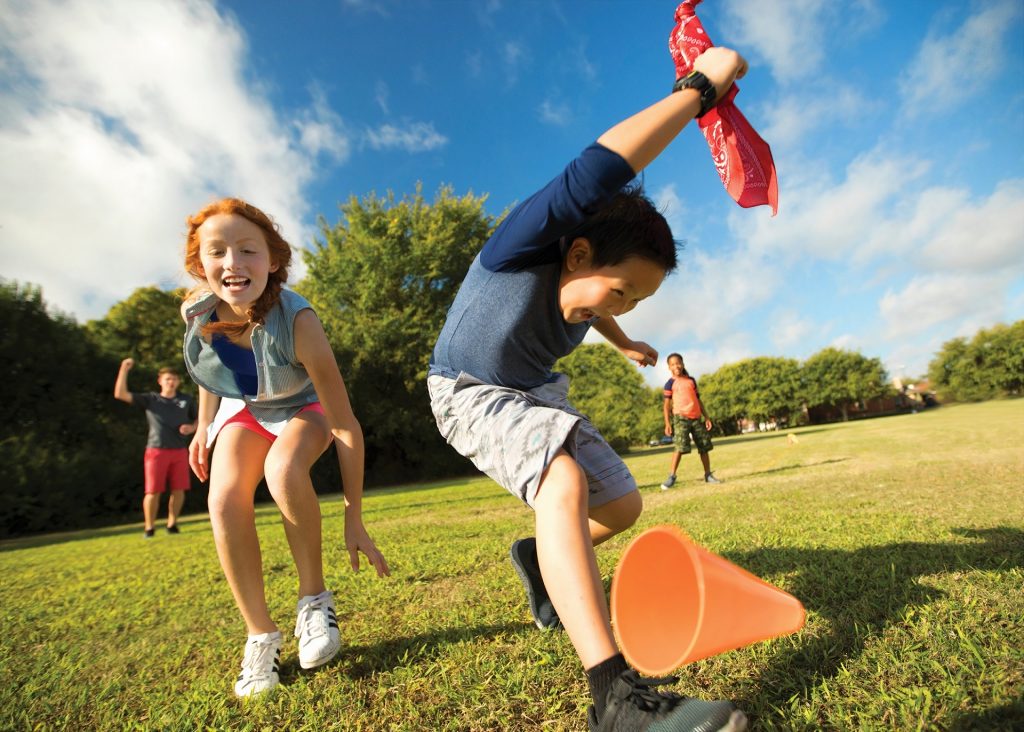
(174, 506)
(675, 461)
(614, 517)
(150, 509)
(705, 460)
(567, 563)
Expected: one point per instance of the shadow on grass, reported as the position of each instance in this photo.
(791, 466)
(360, 662)
(1006, 718)
(682, 484)
(862, 592)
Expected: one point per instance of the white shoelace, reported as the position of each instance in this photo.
(260, 655)
(312, 619)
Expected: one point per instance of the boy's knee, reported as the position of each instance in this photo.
(625, 511)
(564, 482)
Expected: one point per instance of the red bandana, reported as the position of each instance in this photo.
(743, 159)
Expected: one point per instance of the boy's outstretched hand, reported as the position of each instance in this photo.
(641, 353)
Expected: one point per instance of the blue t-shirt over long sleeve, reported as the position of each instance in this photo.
(505, 326)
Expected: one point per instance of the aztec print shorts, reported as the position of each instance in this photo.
(512, 436)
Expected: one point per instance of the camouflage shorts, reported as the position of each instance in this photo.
(683, 427)
(513, 435)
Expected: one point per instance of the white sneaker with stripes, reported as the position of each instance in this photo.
(317, 630)
(260, 665)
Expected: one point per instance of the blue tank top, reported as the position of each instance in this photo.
(239, 360)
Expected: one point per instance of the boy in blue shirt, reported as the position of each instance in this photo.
(578, 253)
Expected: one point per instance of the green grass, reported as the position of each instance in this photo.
(903, 537)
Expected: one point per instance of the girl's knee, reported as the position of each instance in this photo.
(226, 499)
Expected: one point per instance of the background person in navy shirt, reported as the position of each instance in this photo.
(172, 418)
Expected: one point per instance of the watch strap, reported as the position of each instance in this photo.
(702, 84)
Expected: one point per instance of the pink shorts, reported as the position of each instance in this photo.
(245, 420)
(166, 465)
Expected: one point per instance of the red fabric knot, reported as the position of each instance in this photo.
(743, 160)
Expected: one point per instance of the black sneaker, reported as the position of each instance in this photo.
(524, 559)
(173, 529)
(634, 706)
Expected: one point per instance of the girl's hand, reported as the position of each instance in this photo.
(641, 353)
(199, 454)
(357, 540)
(187, 429)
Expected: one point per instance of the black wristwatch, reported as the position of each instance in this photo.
(697, 80)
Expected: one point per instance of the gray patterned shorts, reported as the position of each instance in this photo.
(513, 435)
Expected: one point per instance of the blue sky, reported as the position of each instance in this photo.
(897, 130)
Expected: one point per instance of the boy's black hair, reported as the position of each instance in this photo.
(629, 226)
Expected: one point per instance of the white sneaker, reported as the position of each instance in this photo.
(317, 630)
(260, 665)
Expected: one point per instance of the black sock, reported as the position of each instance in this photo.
(600, 678)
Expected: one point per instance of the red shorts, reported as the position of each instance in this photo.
(245, 420)
(165, 466)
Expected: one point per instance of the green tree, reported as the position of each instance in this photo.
(991, 364)
(146, 326)
(609, 389)
(381, 282)
(652, 424)
(839, 378)
(760, 388)
(68, 458)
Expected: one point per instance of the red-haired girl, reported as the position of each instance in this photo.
(271, 395)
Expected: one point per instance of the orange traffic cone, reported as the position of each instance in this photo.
(674, 602)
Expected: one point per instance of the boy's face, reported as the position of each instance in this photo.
(585, 292)
(168, 382)
(676, 366)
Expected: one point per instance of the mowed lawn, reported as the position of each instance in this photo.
(903, 537)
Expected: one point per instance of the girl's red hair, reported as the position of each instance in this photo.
(280, 254)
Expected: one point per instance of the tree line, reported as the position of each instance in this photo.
(381, 279)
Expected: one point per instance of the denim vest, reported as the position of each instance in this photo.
(282, 380)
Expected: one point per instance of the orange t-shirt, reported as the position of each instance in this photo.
(684, 395)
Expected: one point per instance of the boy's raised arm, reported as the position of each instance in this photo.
(641, 138)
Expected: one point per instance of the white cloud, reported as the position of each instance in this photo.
(968, 301)
(789, 331)
(788, 35)
(706, 298)
(514, 57)
(375, 7)
(321, 129)
(671, 206)
(988, 237)
(828, 220)
(795, 116)
(413, 137)
(554, 113)
(381, 94)
(120, 121)
(977, 49)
